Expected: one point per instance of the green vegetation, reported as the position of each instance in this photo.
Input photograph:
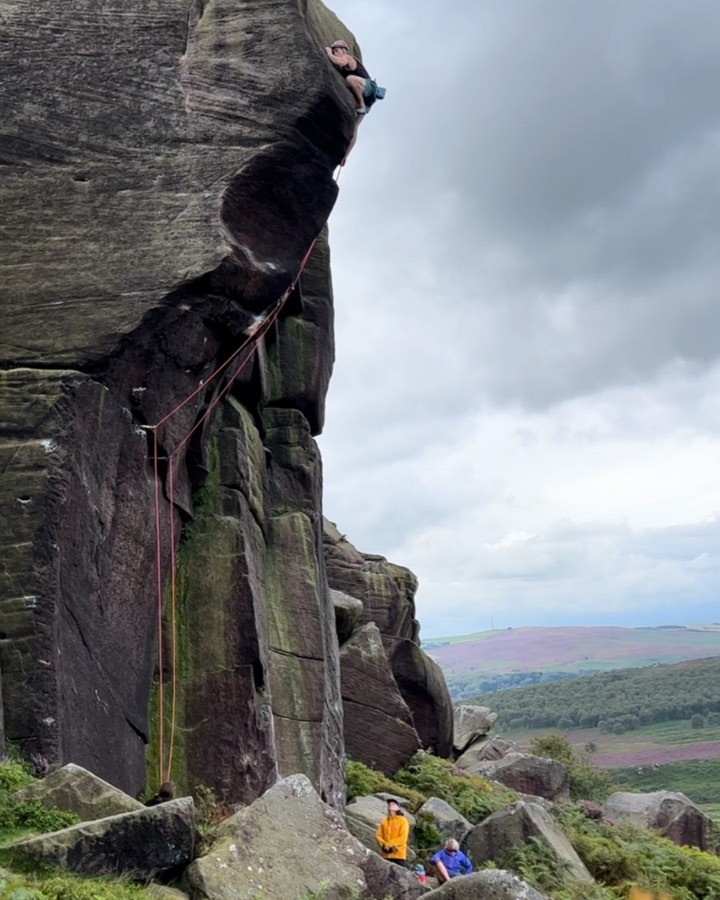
(21, 818)
(617, 701)
(620, 857)
(699, 779)
(587, 782)
(467, 686)
(427, 776)
(67, 887)
(537, 864)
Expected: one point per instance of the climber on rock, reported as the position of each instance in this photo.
(364, 89)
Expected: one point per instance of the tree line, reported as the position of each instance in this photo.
(615, 701)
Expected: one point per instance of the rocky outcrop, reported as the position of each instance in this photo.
(495, 884)
(317, 852)
(76, 790)
(165, 182)
(486, 750)
(470, 725)
(527, 774)
(671, 813)
(387, 593)
(348, 611)
(379, 727)
(153, 841)
(511, 826)
(449, 822)
(166, 349)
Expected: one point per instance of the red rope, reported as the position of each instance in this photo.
(252, 340)
(171, 504)
(158, 566)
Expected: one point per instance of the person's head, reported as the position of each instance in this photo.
(393, 807)
(340, 47)
(167, 790)
(452, 846)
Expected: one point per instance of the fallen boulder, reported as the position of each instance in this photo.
(471, 724)
(448, 821)
(139, 844)
(77, 790)
(491, 749)
(373, 705)
(494, 884)
(496, 836)
(673, 814)
(528, 774)
(289, 843)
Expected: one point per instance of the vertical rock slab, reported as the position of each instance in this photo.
(225, 736)
(423, 686)
(78, 555)
(379, 728)
(302, 351)
(304, 671)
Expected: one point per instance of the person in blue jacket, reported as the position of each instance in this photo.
(450, 862)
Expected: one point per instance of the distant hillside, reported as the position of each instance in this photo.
(615, 701)
(492, 660)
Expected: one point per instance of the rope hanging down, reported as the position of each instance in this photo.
(252, 342)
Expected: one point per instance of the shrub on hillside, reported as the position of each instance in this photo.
(67, 887)
(626, 856)
(13, 775)
(361, 780)
(587, 781)
(427, 776)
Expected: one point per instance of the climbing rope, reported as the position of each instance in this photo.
(250, 344)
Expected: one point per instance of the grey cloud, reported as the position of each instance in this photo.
(530, 222)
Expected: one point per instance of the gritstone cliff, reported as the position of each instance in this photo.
(166, 166)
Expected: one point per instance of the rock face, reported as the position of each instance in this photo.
(317, 851)
(486, 750)
(527, 774)
(673, 814)
(138, 844)
(387, 593)
(448, 821)
(76, 790)
(379, 727)
(166, 178)
(512, 826)
(348, 611)
(495, 884)
(470, 725)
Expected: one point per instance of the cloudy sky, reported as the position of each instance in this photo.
(525, 408)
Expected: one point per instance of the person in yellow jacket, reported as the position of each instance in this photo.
(393, 833)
